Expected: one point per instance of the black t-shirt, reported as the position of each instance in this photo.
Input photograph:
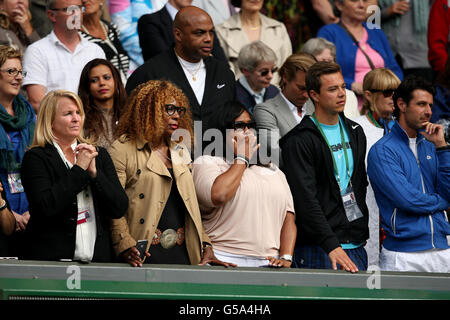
(173, 217)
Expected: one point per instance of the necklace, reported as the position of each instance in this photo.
(103, 29)
(254, 28)
(193, 74)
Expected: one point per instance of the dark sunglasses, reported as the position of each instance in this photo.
(265, 72)
(242, 125)
(171, 108)
(386, 93)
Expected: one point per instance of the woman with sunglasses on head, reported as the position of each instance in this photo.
(376, 120)
(247, 206)
(17, 120)
(155, 172)
(104, 98)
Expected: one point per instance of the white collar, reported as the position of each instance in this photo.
(190, 65)
(291, 105)
(55, 40)
(246, 85)
(61, 152)
(172, 10)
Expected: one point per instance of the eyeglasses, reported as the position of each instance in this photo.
(171, 108)
(70, 9)
(242, 125)
(14, 72)
(265, 72)
(386, 93)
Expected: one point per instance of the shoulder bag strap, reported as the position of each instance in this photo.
(357, 43)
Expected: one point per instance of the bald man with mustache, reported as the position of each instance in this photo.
(207, 82)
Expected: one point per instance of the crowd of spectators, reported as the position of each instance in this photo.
(206, 132)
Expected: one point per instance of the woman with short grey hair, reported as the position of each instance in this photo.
(253, 53)
(256, 62)
(321, 49)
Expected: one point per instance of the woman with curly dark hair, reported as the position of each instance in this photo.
(104, 98)
(154, 169)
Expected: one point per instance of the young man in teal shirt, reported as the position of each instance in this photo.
(325, 168)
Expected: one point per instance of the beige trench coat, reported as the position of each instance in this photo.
(147, 183)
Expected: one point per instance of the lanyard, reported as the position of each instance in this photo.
(377, 124)
(344, 146)
(372, 119)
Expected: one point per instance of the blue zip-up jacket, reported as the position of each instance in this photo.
(411, 194)
(346, 49)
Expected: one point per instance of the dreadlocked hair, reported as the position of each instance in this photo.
(144, 114)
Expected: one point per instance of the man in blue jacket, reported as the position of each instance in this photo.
(410, 173)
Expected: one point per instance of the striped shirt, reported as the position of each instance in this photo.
(112, 47)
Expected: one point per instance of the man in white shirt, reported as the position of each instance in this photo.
(56, 61)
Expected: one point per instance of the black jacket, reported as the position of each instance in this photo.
(320, 214)
(247, 99)
(156, 35)
(52, 190)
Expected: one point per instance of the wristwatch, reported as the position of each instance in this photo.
(286, 257)
(3, 206)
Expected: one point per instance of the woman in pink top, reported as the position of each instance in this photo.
(247, 209)
(360, 46)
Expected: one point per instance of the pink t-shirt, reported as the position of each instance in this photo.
(362, 66)
(250, 223)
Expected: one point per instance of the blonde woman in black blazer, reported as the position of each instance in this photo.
(71, 185)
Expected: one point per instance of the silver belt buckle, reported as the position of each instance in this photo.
(169, 238)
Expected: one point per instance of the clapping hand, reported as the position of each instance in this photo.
(86, 154)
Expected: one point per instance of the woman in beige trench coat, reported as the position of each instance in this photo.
(155, 173)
